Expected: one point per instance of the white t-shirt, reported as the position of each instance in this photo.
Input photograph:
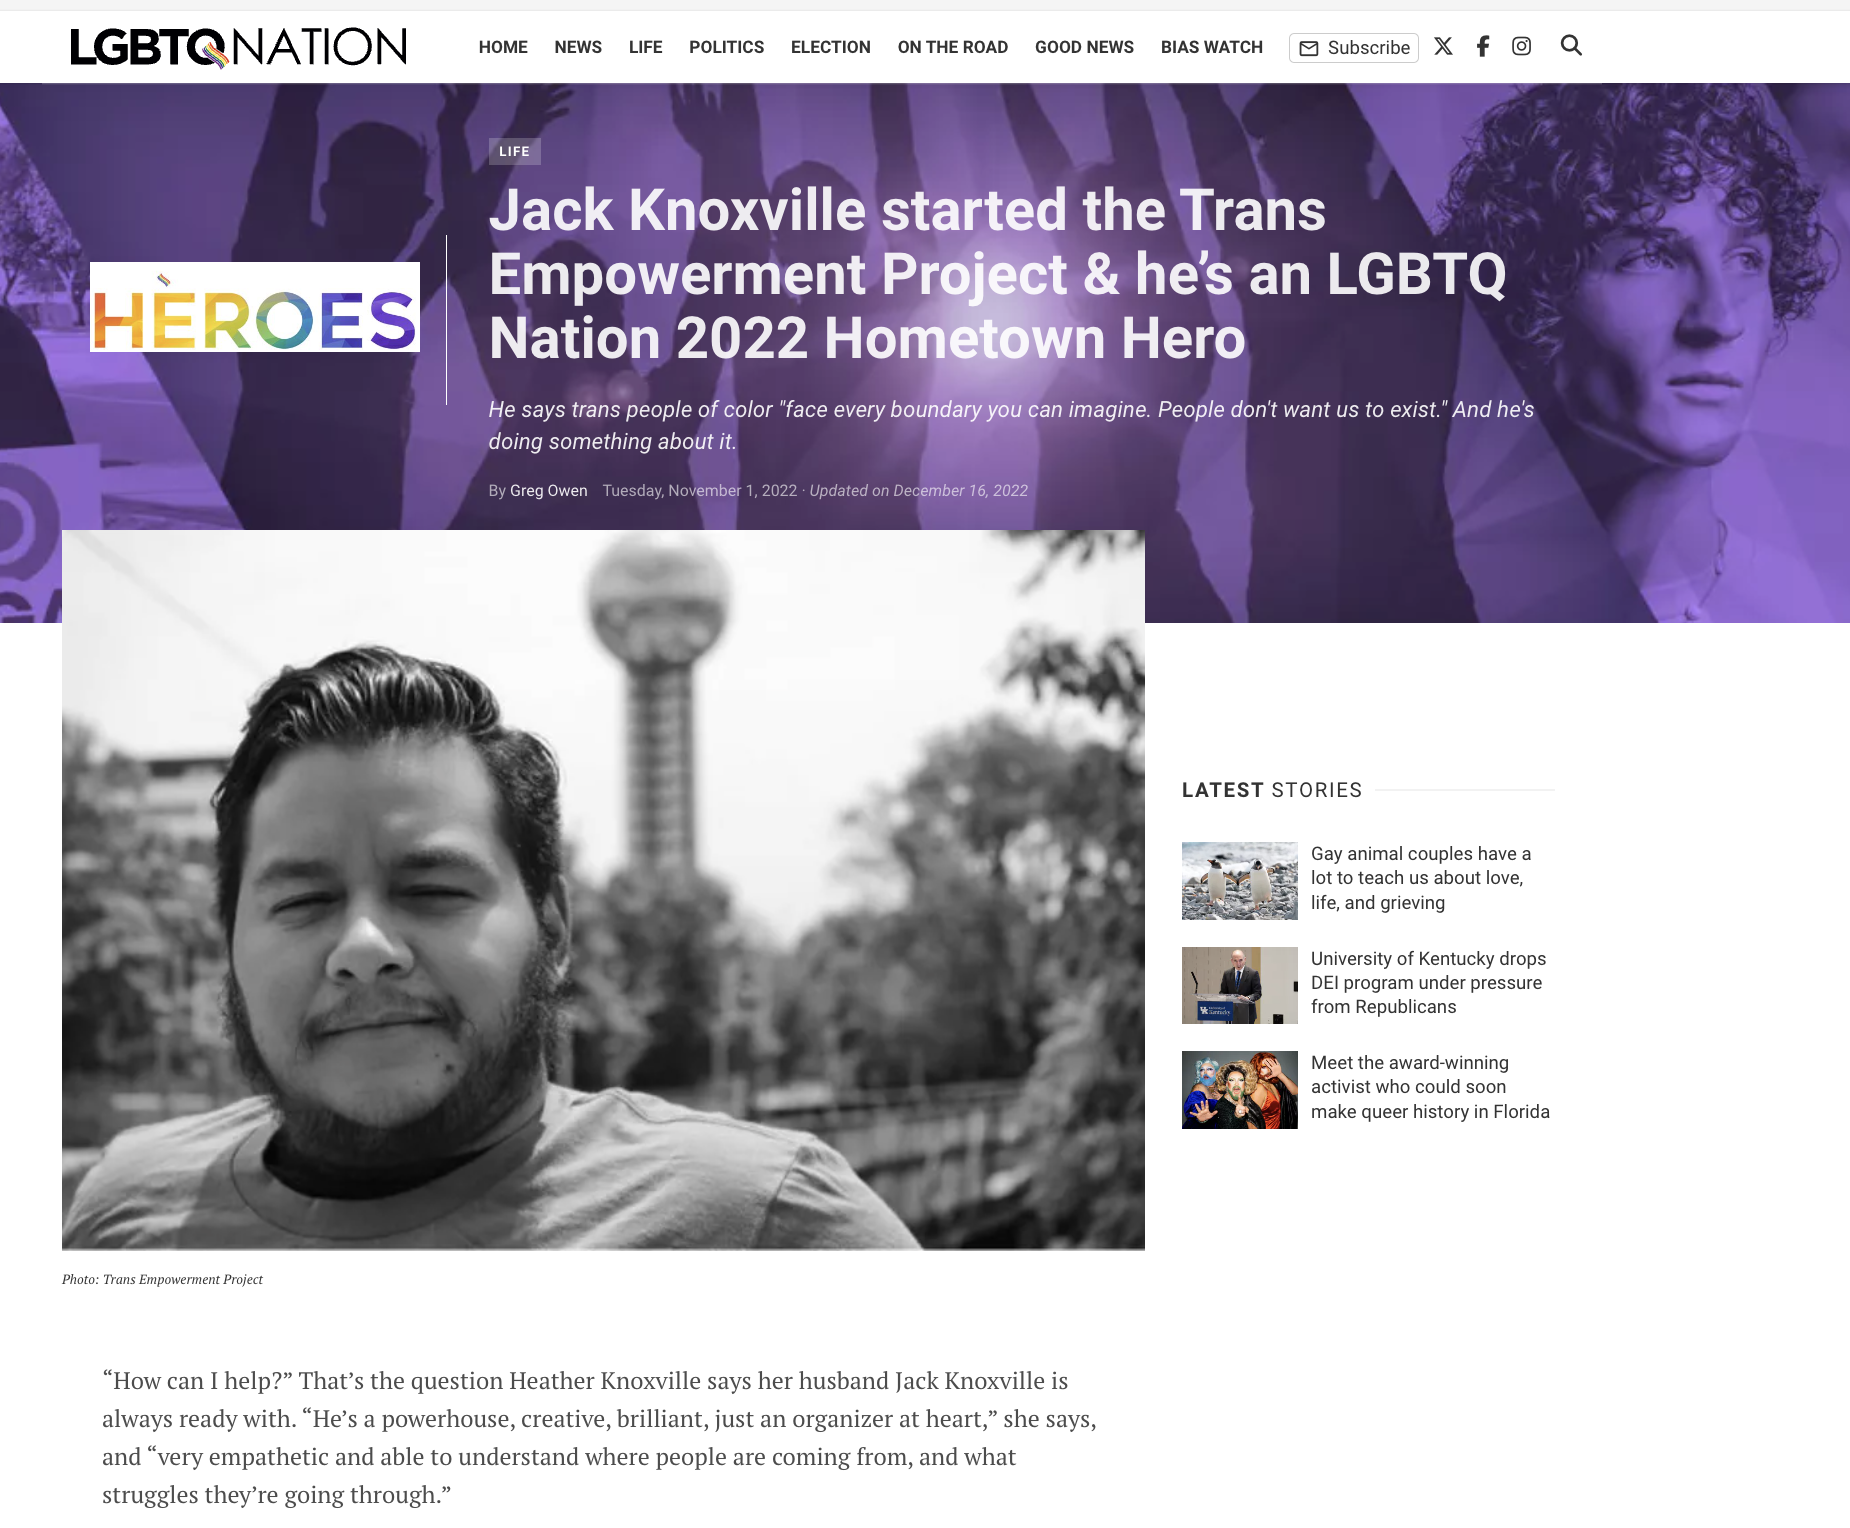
(611, 1169)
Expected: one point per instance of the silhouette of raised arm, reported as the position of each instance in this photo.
(896, 164)
(1133, 134)
(279, 207)
(469, 196)
(1223, 156)
(1041, 149)
(722, 128)
(470, 193)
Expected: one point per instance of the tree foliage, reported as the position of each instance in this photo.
(1004, 932)
(646, 956)
(1087, 1081)
(36, 244)
(140, 937)
(942, 983)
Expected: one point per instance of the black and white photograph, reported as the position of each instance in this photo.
(580, 890)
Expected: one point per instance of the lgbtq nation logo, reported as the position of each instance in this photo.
(234, 306)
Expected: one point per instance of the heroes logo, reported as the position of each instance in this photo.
(256, 306)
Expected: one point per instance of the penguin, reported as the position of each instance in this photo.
(1216, 883)
(1261, 884)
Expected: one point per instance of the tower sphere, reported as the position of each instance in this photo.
(658, 600)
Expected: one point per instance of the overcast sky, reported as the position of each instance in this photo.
(842, 655)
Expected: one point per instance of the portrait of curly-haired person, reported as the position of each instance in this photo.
(1659, 240)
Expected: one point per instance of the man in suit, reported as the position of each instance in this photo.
(1238, 981)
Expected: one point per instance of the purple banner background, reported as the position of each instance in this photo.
(162, 172)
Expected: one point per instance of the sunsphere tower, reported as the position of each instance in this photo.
(658, 602)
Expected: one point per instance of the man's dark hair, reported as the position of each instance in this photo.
(1553, 171)
(370, 695)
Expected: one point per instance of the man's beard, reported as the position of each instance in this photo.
(496, 1080)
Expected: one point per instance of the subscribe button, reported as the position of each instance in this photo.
(1348, 47)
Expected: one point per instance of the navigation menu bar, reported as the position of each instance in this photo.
(987, 46)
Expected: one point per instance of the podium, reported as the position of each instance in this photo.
(1224, 1010)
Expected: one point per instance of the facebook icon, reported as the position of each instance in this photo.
(1483, 46)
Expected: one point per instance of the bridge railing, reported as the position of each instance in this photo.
(942, 1157)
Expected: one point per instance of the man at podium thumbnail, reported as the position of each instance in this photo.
(1241, 983)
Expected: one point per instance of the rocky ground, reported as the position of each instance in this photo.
(1238, 907)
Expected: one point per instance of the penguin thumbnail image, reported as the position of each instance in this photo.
(1240, 880)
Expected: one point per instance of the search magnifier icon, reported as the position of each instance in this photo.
(1571, 44)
